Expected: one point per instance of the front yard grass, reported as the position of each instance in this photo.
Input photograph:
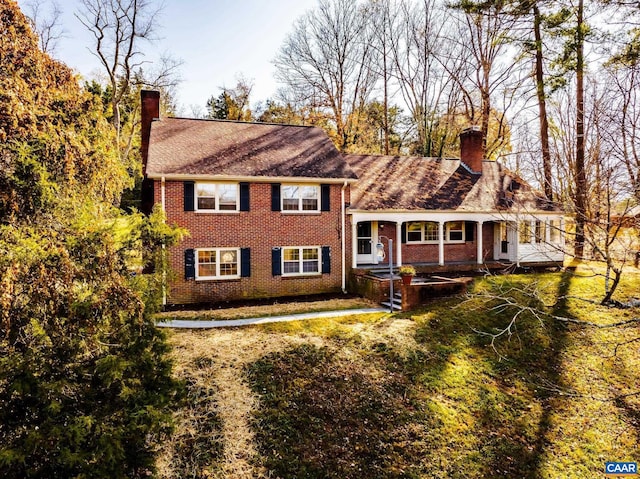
(420, 394)
(288, 307)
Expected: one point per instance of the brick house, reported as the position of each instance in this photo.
(451, 213)
(276, 210)
(264, 205)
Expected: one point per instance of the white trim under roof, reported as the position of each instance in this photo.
(450, 215)
(250, 179)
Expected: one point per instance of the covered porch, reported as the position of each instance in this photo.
(439, 242)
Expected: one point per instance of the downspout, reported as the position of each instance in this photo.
(162, 195)
(164, 252)
(343, 240)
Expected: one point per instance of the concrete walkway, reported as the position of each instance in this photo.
(230, 323)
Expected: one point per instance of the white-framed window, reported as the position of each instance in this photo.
(422, 232)
(524, 232)
(217, 263)
(431, 232)
(540, 232)
(454, 232)
(217, 197)
(555, 232)
(414, 232)
(301, 260)
(300, 198)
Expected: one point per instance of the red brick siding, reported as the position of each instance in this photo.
(428, 253)
(259, 229)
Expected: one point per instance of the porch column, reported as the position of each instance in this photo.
(441, 243)
(479, 240)
(354, 244)
(399, 243)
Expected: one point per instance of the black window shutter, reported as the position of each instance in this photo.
(147, 196)
(245, 262)
(325, 197)
(403, 233)
(244, 196)
(189, 264)
(189, 195)
(276, 256)
(326, 259)
(275, 196)
(469, 227)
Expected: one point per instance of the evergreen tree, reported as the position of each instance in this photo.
(85, 384)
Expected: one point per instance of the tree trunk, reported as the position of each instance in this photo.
(542, 106)
(580, 174)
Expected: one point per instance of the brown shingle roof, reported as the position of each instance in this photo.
(182, 146)
(418, 184)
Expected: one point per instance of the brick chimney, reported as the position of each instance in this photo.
(150, 100)
(471, 150)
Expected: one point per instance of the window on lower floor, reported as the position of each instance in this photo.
(300, 260)
(541, 232)
(555, 233)
(454, 231)
(524, 232)
(217, 263)
(414, 232)
(422, 232)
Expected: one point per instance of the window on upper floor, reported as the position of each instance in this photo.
(301, 198)
(217, 197)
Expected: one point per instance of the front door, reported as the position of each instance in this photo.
(365, 243)
(505, 241)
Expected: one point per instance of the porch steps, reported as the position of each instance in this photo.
(397, 301)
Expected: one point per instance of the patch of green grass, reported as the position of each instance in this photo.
(326, 416)
(555, 402)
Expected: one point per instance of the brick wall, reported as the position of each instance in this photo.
(428, 253)
(259, 229)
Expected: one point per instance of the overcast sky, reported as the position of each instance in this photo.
(215, 39)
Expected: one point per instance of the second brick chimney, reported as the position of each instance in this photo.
(471, 150)
(150, 101)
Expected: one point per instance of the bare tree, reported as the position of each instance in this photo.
(384, 13)
(490, 77)
(418, 47)
(542, 100)
(46, 23)
(325, 63)
(118, 28)
(624, 114)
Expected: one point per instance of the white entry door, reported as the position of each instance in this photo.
(506, 237)
(366, 250)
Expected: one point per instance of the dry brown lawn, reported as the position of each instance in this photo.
(289, 307)
(214, 363)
